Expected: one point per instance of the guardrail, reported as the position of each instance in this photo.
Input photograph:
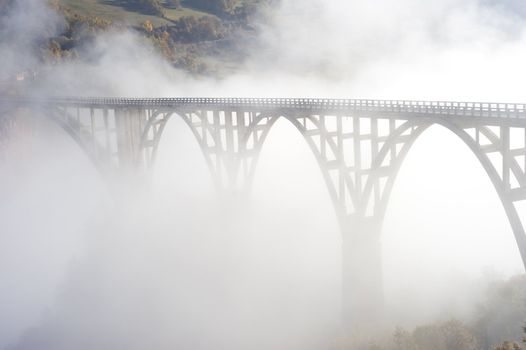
(474, 109)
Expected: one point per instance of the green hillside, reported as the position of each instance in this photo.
(121, 11)
(130, 13)
(200, 36)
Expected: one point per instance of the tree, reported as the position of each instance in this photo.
(503, 310)
(147, 26)
(450, 335)
(512, 345)
(192, 29)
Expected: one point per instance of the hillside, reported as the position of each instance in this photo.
(200, 36)
(134, 12)
(122, 11)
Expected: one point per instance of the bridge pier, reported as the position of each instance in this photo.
(129, 124)
(362, 285)
(119, 149)
(6, 126)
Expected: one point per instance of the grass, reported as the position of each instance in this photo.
(119, 12)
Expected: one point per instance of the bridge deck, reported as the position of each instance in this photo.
(339, 106)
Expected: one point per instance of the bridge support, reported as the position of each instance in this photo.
(6, 128)
(362, 285)
(359, 145)
(359, 157)
(129, 125)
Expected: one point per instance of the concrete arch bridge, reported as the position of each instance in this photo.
(358, 144)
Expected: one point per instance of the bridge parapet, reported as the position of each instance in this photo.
(386, 107)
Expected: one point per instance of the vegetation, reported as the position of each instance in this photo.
(193, 35)
(448, 335)
(496, 326)
(162, 12)
(176, 4)
(500, 317)
(512, 345)
(191, 29)
(219, 7)
(152, 7)
(199, 36)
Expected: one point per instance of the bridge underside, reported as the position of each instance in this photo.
(359, 152)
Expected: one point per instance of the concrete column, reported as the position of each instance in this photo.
(362, 273)
(130, 176)
(128, 123)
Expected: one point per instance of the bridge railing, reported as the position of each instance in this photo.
(469, 109)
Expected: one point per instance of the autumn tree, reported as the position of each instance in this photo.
(195, 29)
(512, 345)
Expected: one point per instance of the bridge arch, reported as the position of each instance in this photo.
(60, 119)
(196, 123)
(265, 122)
(489, 167)
(318, 151)
(250, 141)
(230, 148)
(179, 166)
(232, 139)
(160, 120)
(417, 128)
(303, 131)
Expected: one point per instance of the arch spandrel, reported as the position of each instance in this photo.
(230, 140)
(355, 201)
(347, 148)
(484, 141)
(81, 134)
(109, 136)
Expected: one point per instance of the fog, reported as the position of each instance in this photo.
(177, 267)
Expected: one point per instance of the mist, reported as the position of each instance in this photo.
(177, 267)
